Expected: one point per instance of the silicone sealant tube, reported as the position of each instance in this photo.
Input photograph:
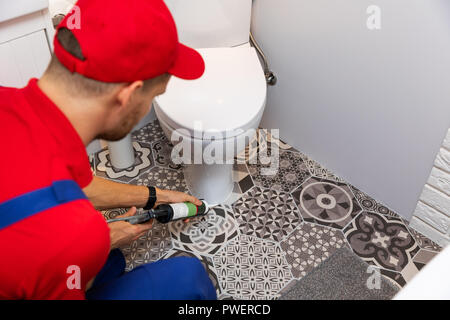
(165, 213)
(187, 209)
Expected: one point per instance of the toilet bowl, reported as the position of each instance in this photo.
(220, 110)
(216, 115)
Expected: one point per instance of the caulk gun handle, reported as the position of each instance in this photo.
(142, 218)
(138, 218)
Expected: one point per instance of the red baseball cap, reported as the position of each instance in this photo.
(125, 41)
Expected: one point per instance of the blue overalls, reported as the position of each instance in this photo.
(180, 278)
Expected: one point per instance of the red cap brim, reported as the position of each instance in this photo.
(188, 65)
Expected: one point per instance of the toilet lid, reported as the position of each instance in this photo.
(230, 95)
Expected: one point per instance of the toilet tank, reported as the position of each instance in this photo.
(211, 23)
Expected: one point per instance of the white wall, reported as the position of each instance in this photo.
(432, 214)
(373, 106)
(60, 6)
(25, 46)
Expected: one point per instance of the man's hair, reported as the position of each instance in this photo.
(78, 83)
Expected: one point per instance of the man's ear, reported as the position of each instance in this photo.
(126, 92)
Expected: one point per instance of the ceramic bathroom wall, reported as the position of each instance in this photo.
(371, 105)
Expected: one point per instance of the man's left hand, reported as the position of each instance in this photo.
(172, 196)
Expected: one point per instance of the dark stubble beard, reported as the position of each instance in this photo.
(122, 130)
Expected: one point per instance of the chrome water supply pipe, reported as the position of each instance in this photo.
(271, 79)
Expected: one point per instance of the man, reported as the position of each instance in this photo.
(99, 84)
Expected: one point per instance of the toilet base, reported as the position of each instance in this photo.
(121, 153)
(213, 183)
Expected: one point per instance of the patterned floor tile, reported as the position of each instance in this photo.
(207, 234)
(317, 170)
(242, 182)
(149, 247)
(112, 213)
(225, 296)
(161, 151)
(255, 244)
(262, 140)
(380, 240)
(326, 202)
(251, 268)
(257, 142)
(370, 204)
(424, 242)
(281, 144)
(395, 278)
(143, 161)
(149, 133)
(207, 263)
(309, 245)
(267, 214)
(291, 172)
(162, 178)
(417, 263)
(242, 177)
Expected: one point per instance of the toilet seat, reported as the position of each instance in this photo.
(230, 95)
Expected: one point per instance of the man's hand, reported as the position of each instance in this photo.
(107, 194)
(171, 196)
(123, 232)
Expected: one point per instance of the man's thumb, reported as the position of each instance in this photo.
(129, 213)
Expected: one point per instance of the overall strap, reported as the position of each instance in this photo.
(33, 202)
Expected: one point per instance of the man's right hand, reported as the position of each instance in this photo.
(123, 232)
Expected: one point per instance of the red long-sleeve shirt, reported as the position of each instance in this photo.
(40, 255)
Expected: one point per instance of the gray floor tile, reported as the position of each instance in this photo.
(383, 241)
(326, 202)
(267, 213)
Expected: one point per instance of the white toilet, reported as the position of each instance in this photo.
(229, 98)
